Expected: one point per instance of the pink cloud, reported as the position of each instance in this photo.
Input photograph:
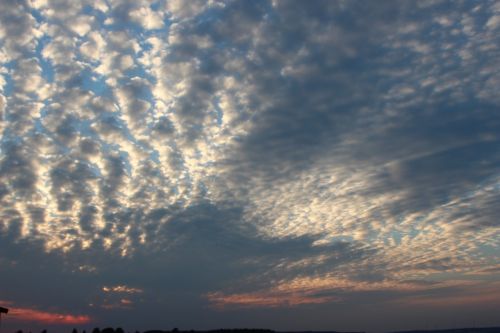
(45, 317)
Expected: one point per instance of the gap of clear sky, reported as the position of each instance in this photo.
(292, 165)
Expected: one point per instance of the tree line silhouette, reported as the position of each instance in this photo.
(253, 330)
(175, 330)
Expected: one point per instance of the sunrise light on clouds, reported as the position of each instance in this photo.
(210, 164)
(29, 315)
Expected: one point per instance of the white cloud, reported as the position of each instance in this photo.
(81, 25)
(94, 46)
(147, 18)
(182, 9)
(494, 22)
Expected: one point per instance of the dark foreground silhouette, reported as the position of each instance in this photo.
(252, 330)
(458, 330)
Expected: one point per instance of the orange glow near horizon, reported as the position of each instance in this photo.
(273, 300)
(44, 317)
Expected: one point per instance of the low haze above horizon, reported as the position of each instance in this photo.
(290, 165)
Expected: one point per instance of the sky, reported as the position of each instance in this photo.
(291, 165)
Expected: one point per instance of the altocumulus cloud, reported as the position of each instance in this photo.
(185, 158)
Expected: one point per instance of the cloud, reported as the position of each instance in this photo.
(279, 154)
(122, 289)
(265, 300)
(43, 317)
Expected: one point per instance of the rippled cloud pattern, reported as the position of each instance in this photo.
(250, 158)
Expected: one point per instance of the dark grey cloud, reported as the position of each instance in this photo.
(16, 168)
(197, 252)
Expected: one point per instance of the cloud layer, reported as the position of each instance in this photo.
(245, 155)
